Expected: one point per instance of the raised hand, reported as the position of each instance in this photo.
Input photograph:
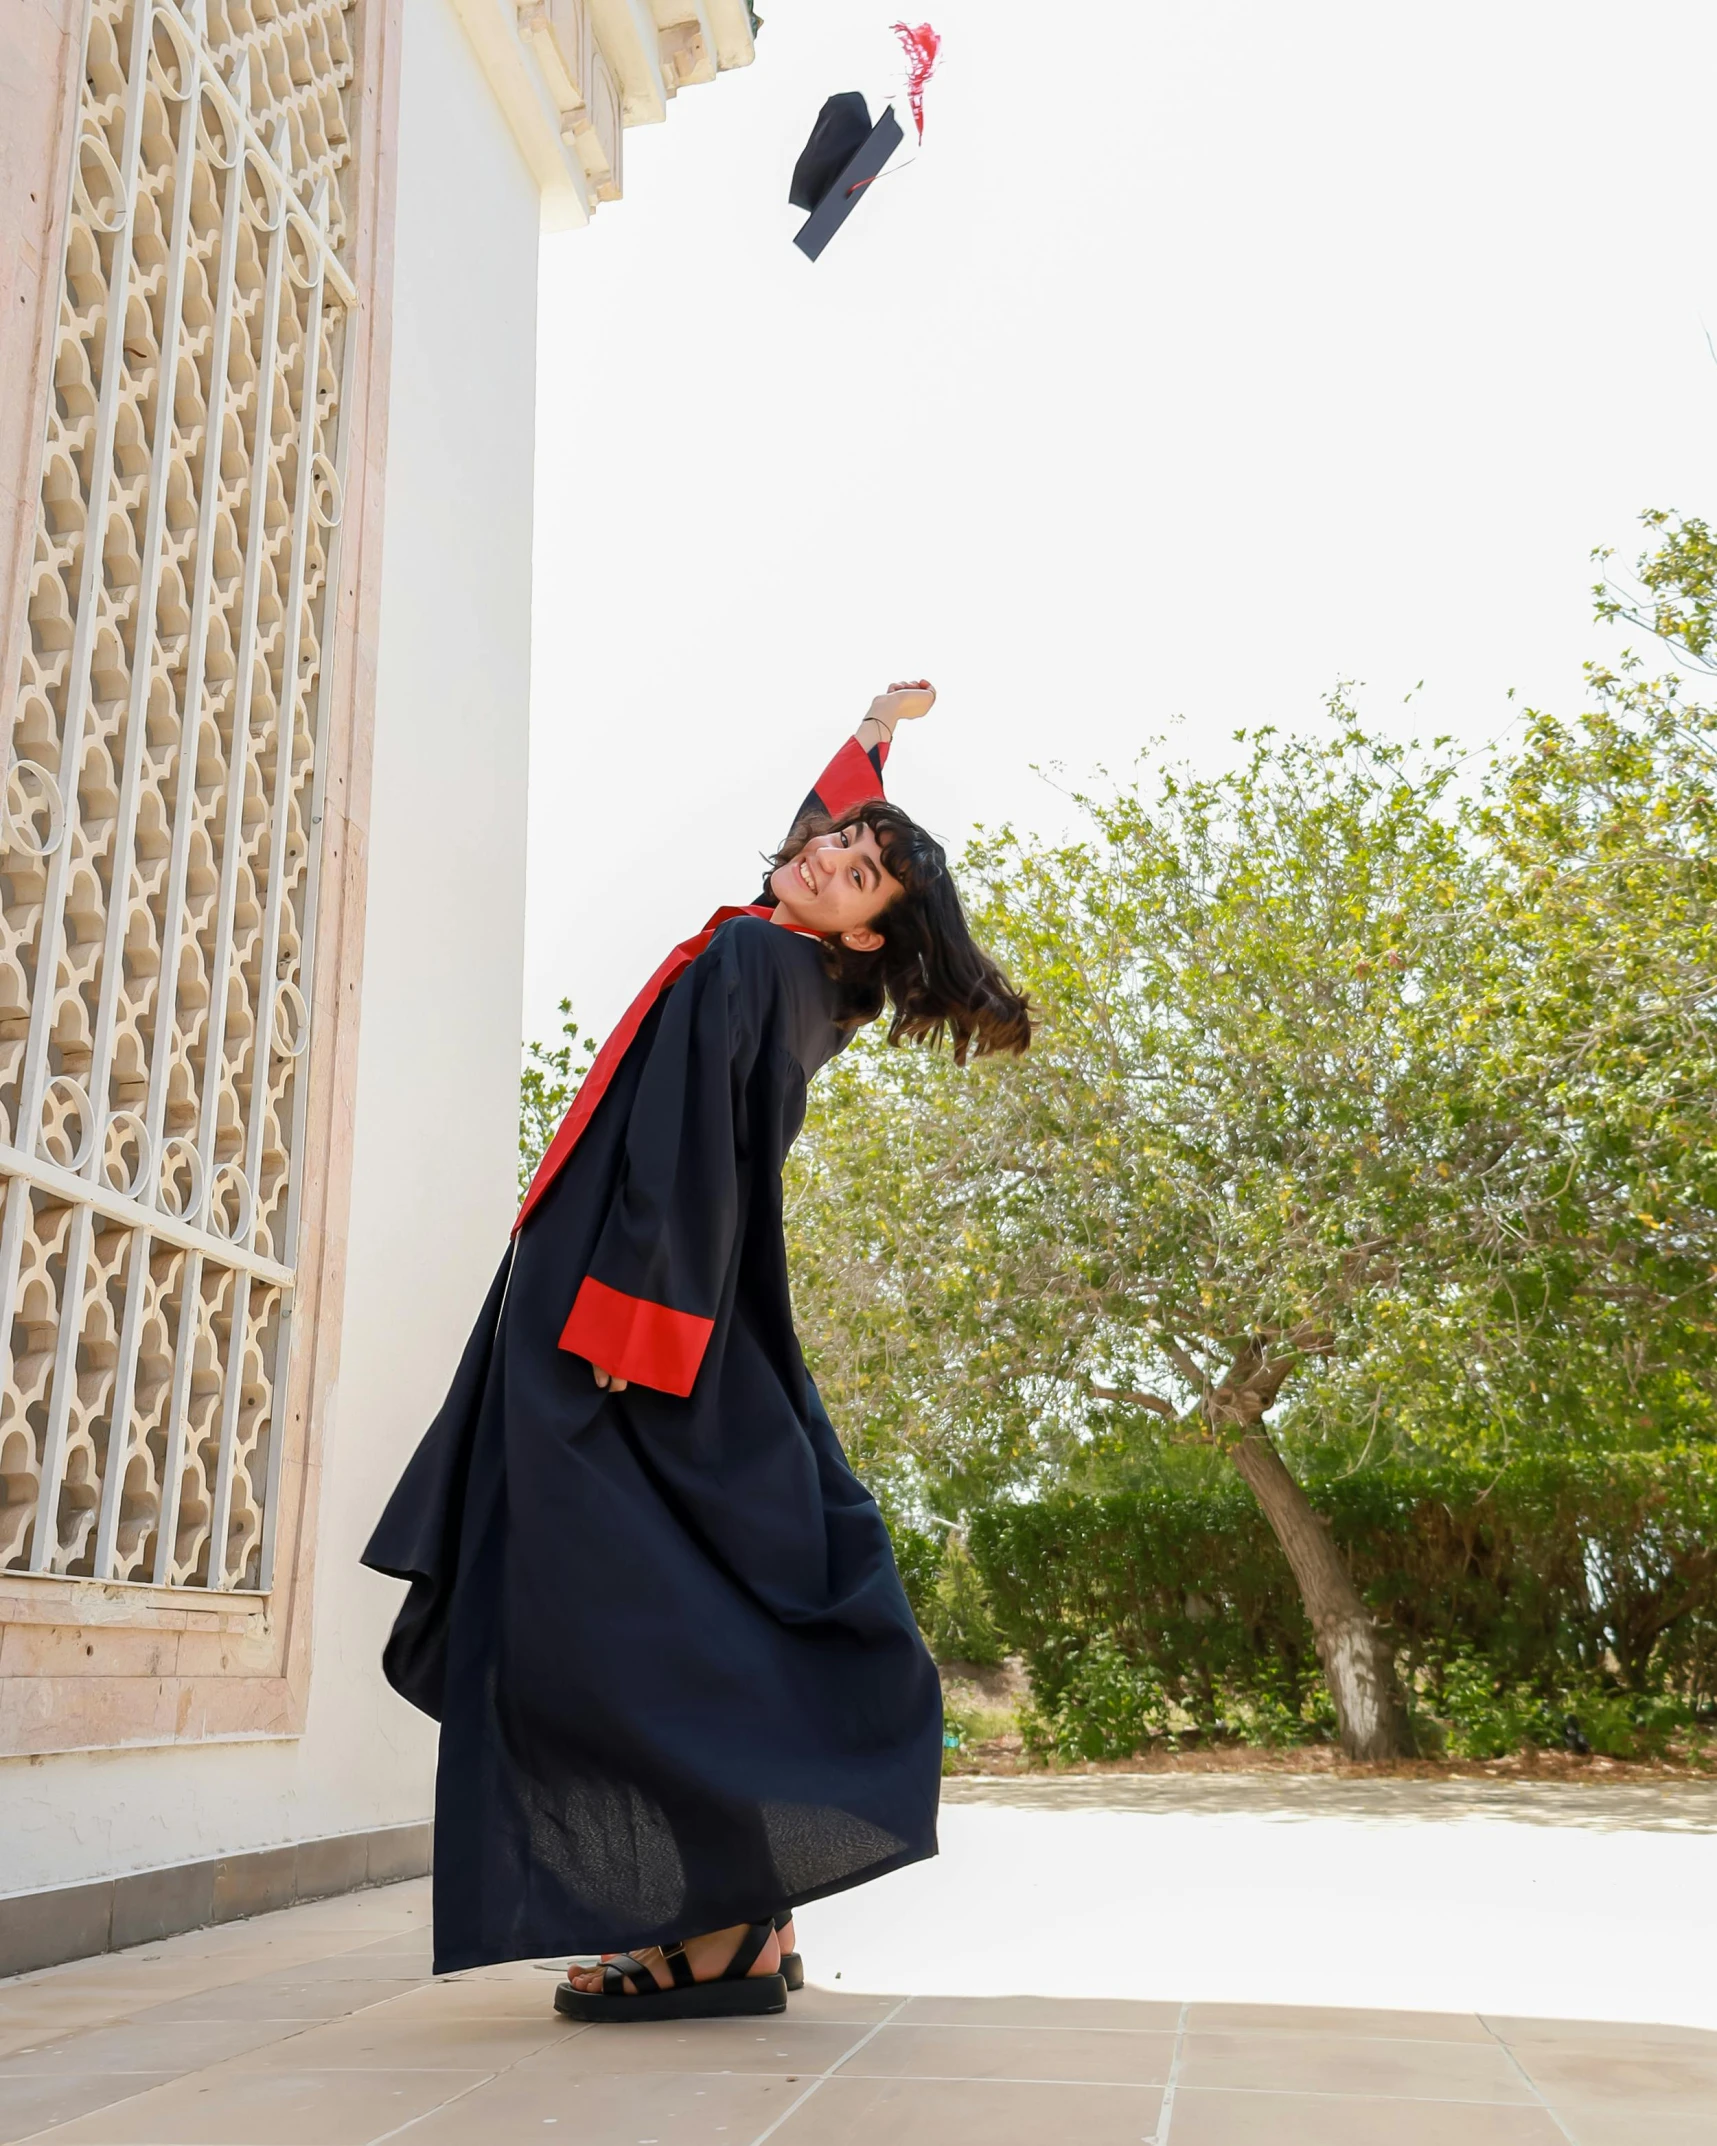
(904, 702)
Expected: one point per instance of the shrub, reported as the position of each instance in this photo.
(1108, 1707)
(1576, 1586)
(961, 1628)
(918, 1557)
(947, 1595)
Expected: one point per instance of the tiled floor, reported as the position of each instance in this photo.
(320, 2027)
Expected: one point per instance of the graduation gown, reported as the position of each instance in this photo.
(678, 1682)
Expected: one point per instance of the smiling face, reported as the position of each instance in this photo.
(838, 885)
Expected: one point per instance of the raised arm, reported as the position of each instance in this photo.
(855, 773)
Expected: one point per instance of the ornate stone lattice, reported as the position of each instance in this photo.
(161, 805)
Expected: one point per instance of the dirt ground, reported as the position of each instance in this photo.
(1005, 1755)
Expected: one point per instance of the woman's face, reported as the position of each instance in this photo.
(838, 885)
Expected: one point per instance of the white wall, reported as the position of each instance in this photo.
(432, 1195)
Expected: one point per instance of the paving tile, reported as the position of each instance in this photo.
(51, 2013)
(932, 2112)
(320, 2025)
(380, 2040)
(778, 2044)
(453, 2002)
(31, 2105)
(115, 1974)
(416, 1945)
(279, 2000)
(171, 2049)
(545, 1973)
(1116, 2056)
(1324, 2019)
(39, 2019)
(305, 1927)
(1641, 2074)
(1352, 2064)
(666, 2109)
(16, 2037)
(1085, 2012)
(1209, 2119)
(1587, 2033)
(1616, 2123)
(380, 1909)
(216, 2108)
(363, 1965)
(270, 1941)
(814, 2002)
(129, 1982)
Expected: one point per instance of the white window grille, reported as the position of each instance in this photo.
(161, 806)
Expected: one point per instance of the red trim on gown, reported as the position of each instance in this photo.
(851, 778)
(603, 1066)
(634, 1339)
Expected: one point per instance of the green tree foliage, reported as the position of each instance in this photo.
(1360, 1103)
(1244, 1115)
(1593, 988)
(1676, 599)
(548, 1081)
(1602, 1045)
(1242, 1144)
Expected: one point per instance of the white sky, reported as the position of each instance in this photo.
(1209, 354)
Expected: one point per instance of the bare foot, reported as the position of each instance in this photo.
(706, 1956)
(785, 1942)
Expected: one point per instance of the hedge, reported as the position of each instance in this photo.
(1584, 1574)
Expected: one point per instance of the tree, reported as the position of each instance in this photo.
(1603, 1018)
(548, 1081)
(1383, 1113)
(1246, 1139)
(1676, 600)
(1593, 986)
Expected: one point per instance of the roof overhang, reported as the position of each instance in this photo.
(571, 75)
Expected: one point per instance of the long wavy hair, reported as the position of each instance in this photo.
(929, 969)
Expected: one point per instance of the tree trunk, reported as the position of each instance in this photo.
(1358, 1663)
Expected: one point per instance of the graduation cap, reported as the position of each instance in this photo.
(844, 154)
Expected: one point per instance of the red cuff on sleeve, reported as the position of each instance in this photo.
(635, 1339)
(848, 780)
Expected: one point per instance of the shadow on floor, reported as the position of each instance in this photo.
(1630, 1807)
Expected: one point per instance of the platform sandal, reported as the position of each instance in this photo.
(735, 1993)
(792, 1966)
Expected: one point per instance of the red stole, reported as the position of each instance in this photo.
(603, 1065)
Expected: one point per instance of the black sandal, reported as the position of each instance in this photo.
(792, 1966)
(733, 1994)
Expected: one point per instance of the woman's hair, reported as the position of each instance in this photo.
(929, 968)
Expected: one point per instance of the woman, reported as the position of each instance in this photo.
(655, 1613)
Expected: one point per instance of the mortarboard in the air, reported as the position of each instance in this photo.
(844, 154)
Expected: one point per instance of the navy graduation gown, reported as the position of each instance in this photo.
(678, 1681)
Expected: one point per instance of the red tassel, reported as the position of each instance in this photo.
(921, 47)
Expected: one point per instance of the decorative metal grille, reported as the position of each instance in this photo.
(162, 794)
